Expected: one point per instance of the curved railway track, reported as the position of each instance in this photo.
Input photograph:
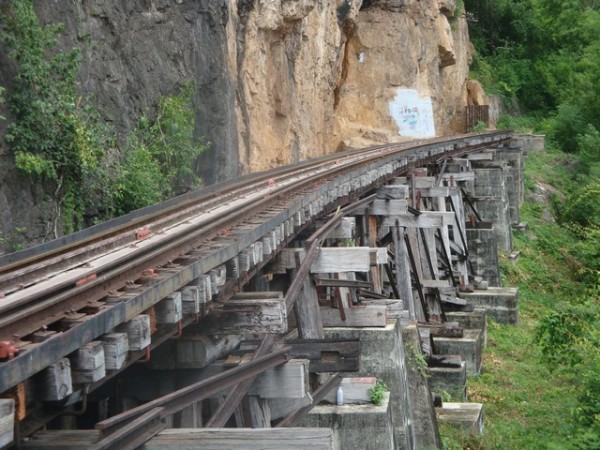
(39, 286)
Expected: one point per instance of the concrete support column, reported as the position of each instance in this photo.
(491, 199)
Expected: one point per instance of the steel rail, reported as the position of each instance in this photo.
(116, 277)
(139, 218)
(366, 155)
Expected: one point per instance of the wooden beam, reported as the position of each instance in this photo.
(247, 313)
(427, 219)
(198, 439)
(308, 316)
(324, 355)
(362, 316)
(197, 350)
(329, 260)
(381, 207)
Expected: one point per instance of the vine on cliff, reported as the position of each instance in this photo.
(62, 144)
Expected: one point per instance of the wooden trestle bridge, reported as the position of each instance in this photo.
(236, 279)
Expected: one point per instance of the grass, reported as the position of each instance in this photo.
(526, 404)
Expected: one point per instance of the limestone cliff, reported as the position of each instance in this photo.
(278, 80)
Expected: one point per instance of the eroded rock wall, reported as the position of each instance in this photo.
(278, 80)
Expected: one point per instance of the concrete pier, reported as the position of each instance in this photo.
(500, 303)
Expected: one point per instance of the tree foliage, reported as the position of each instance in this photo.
(58, 139)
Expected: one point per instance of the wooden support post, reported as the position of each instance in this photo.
(372, 242)
(306, 308)
(254, 312)
(403, 281)
(256, 412)
(195, 351)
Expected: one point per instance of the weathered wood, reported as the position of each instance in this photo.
(448, 329)
(256, 412)
(459, 176)
(395, 308)
(138, 332)
(362, 316)
(290, 380)
(116, 346)
(324, 355)
(418, 182)
(381, 207)
(393, 191)
(7, 422)
(375, 272)
(87, 363)
(403, 280)
(427, 219)
(246, 315)
(199, 439)
(56, 382)
(329, 260)
(169, 309)
(306, 309)
(336, 282)
(437, 191)
(218, 276)
(190, 301)
(345, 230)
(195, 351)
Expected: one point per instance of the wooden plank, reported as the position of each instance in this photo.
(375, 272)
(195, 351)
(336, 282)
(7, 422)
(419, 182)
(403, 280)
(116, 346)
(55, 381)
(198, 439)
(427, 219)
(395, 308)
(138, 332)
(306, 309)
(459, 176)
(393, 192)
(345, 230)
(256, 412)
(437, 191)
(169, 309)
(362, 316)
(329, 260)
(242, 316)
(381, 207)
(324, 355)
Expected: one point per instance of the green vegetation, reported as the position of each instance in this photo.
(59, 141)
(541, 380)
(377, 392)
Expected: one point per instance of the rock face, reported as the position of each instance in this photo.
(278, 80)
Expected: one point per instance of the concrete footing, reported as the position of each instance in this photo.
(468, 416)
(500, 303)
(474, 320)
(449, 382)
(382, 356)
(350, 423)
(469, 347)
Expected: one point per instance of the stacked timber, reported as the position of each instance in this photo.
(56, 381)
(138, 332)
(88, 364)
(116, 346)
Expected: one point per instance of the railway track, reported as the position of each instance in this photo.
(75, 275)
